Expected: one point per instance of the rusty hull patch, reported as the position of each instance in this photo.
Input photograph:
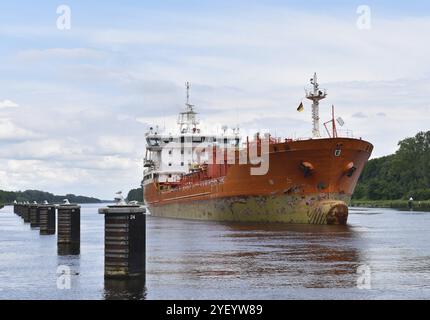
(338, 214)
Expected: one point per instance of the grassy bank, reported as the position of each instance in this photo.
(397, 204)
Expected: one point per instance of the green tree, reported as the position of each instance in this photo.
(135, 195)
(401, 175)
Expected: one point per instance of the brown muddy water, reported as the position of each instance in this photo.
(387, 252)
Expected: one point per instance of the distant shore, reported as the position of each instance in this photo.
(395, 204)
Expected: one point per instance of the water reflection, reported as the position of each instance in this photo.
(69, 249)
(290, 228)
(68, 271)
(205, 260)
(312, 255)
(125, 289)
(273, 255)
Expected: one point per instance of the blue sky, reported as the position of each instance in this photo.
(74, 105)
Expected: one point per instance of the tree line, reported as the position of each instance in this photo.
(40, 196)
(402, 175)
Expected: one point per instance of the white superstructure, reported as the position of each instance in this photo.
(169, 157)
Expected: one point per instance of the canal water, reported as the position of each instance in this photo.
(381, 254)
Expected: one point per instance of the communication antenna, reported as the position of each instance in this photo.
(315, 96)
(188, 86)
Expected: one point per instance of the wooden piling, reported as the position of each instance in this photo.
(125, 241)
(26, 213)
(69, 229)
(34, 215)
(47, 219)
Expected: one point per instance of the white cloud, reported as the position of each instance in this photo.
(81, 125)
(8, 104)
(40, 174)
(116, 145)
(46, 149)
(275, 47)
(9, 131)
(59, 53)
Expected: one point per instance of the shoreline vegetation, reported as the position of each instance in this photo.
(135, 195)
(400, 176)
(8, 197)
(394, 204)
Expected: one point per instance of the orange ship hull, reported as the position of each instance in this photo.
(308, 181)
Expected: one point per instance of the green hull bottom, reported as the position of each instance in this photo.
(317, 209)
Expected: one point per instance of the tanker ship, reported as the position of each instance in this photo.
(223, 177)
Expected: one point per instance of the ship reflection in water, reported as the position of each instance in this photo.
(209, 260)
(267, 256)
(308, 255)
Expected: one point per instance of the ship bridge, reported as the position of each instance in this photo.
(169, 157)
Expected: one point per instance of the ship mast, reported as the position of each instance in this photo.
(188, 86)
(187, 119)
(315, 96)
